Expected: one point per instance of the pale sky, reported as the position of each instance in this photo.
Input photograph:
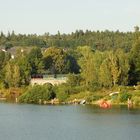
(40, 16)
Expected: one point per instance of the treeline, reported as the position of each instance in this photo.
(99, 40)
(91, 66)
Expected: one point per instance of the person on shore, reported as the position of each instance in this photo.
(129, 103)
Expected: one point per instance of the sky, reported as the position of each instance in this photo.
(66, 16)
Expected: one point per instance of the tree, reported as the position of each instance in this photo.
(16, 76)
(123, 63)
(55, 60)
(134, 73)
(35, 59)
(136, 29)
(105, 78)
(86, 64)
(25, 70)
(12, 75)
(71, 65)
(2, 59)
(114, 67)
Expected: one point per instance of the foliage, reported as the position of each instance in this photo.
(36, 93)
(74, 80)
(103, 69)
(93, 60)
(58, 60)
(134, 73)
(99, 40)
(62, 92)
(124, 95)
(105, 77)
(12, 75)
(54, 59)
(35, 58)
(81, 95)
(25, 70)
(86, 63)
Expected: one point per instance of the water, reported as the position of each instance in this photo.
(34, 122)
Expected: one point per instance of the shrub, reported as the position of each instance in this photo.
(124, 95)
(37, 92)
(62, 92)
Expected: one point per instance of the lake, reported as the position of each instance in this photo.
(68, 122)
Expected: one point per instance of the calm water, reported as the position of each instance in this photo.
(34, 122)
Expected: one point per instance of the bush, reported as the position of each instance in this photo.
(124, 95)
(62, 92)
(37, 92)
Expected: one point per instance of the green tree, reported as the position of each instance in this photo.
(105, 77)
(123, 63)
(12, 75)
(2, 59)
(90, 61)
(55, 60)
(35, 59)
(134, 73)
(25, 70)
(114, 67)
(86, 63)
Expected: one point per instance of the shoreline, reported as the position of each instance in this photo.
(66, 103)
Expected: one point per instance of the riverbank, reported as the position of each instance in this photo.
(49, 94)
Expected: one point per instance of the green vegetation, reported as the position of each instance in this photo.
(36, 93)
(96, 64)
(62, 92)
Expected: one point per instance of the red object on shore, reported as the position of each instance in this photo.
(104, 104)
